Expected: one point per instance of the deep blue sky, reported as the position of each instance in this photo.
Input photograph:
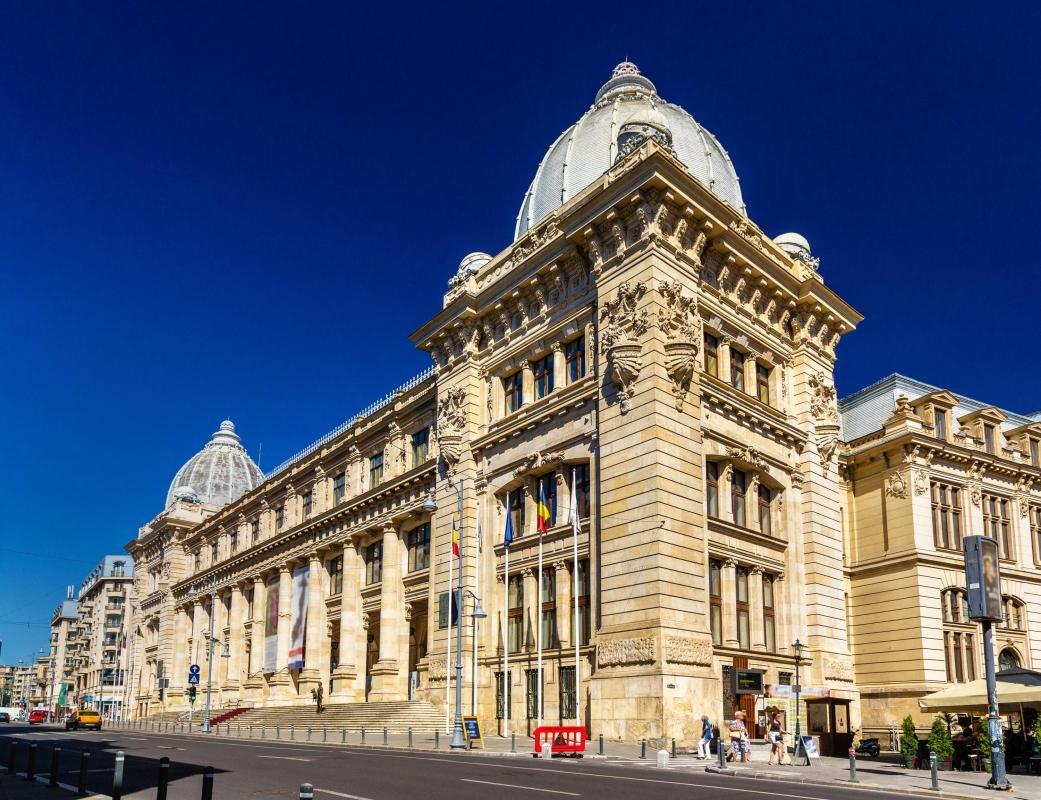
(244, 212)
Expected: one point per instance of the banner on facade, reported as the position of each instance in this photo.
(298, 622)
(271, 625)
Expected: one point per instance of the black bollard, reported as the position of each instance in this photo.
(84, 763)
(932, 769)
(643, 748)
(363, 735)
(721, 753)
(277, 732)
(292, 733)
(164, 778)
(55, 765)
(601, 744)
(673, 748)
(308, 734)
(343, 736)
(384, 735)
(437, 739)
(513, 742)
(325, 734)
(306, 791)
(853, 766)
(12, 756)
(207, 783)
(409, 737)
(30, 769)
(117, 776)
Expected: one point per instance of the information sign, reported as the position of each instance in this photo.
(809, 747)
(472, 730)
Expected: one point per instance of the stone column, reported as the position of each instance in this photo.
(310, 676)
(531, 608)
(254, 685)
(180, 649)
(281, 683)
(345, 677)
(388, 678)
(563, 602)
(197, 631)
(757, 635)
(729, 598)
(235, 643)
(320, 499)
(559, 366)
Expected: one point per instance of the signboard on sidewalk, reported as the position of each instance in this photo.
(809, 747)
(472, 730)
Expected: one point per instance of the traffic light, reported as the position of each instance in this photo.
(191, 694)
(161, 690)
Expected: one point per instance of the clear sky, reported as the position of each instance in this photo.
(243, 211)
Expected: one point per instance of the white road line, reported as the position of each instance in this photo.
(287, 758)
(342, 794)
(519, 786)
(135, 738)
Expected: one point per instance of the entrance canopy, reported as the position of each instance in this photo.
(1015, 686)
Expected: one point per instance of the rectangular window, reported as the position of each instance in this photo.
(715, 597)
(970, 657)
(765, 506)
(769, 620)
(515, 508)
(550, 638)
(712, 488)
(308, 503)
(741, 606)
(946, 504)
(254, 531)
(940, 423)
(375, 470)
(575, 359)
(762, 383)
(280, 517)
(339, 487)
(419, 548)
(532, 685)
(584, 620)
(567, 692)
(580, 479)
(336, 575)
(1035, 453)
(513, 389)
(996, 523)
(374, 563)
(737, 369)
(542, 370)
(516, 613)
(420, 447)
(233, 540)
(197, 560)
(502, 692)
(213, 553)
(546, 489)
(711, 355)
(1035, 531)
(249, 603)
(737, 496)
(988, 438)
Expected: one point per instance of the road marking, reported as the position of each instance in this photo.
(341, 794)
(519, 786)
(287, 758)
(135, 738)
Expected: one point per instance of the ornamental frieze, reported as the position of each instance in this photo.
(684, 650)
(623, 652)
(838, 669)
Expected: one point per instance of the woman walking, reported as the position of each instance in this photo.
(706, 737)
(776, 734)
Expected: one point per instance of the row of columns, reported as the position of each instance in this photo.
(756, 616)
(563, 598)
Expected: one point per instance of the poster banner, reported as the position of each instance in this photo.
(271, 625)
(299, 620)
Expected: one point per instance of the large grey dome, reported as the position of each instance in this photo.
(587, 149)
(219, 473)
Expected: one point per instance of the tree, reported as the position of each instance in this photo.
(908, 741)
(940, 739)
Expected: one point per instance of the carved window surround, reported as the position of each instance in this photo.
(721, 527)
(726, 400)
(539, 411)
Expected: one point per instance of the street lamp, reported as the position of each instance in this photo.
(209, 658)
(476, 614)
(797, 646)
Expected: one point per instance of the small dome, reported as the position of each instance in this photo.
(626, 111)
(793, 243)
(470, 265)
(218, 474)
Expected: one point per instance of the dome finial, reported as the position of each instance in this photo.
(626, 79)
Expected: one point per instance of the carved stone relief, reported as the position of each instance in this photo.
(623, 324)
(896, 486)
(822, 404)
(625, 651)
(684, 650)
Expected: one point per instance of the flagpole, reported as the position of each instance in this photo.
(576, 633)
(538, 611)
(477, 586)
(448, 658)
(506, 637)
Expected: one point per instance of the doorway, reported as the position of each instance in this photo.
(828, 719)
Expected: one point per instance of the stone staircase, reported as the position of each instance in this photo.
(397, 717)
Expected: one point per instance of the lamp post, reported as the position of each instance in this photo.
(209, 657)
(476, 614)
(797, 646)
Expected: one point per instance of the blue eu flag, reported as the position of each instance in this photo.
(507, 538)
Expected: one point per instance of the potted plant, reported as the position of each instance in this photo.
(908, 741)
(983, 738)
(940, 743)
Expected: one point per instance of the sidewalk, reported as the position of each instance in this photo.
(16, 787)
(880, 775)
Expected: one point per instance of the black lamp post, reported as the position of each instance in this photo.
(797, 646)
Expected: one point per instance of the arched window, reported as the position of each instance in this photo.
(959, 637)
(1014, 614)
(1008, 659)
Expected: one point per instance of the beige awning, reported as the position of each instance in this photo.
(972, 696)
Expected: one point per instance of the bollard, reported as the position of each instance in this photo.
(721, 753)
(309, 734)
(343, 736)
(384, 735)
(601, 744)
(12, 756)
(513, 742)
(363, 735)
(263, 732)
(164, 777)
(30, 769)
(673, 748)
(643, 748)
(277, 732)
(325, 734)
(663, 758)
(853, 766)
(117, 776)
(306, 791)
(55, 765)
(84, 763)
(207, 783)
(292, 733)
(932, 770)
(409, 737)
(437, 739)
(250, 731)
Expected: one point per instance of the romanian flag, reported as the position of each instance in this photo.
(543, 515)
(455, 540)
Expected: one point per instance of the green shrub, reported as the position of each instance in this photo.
(983, 738)
(908, 741)
(940, 739)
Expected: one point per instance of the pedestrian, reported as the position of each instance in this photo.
(706, 737)
(318, 697)
(776, 734)
(739, 738)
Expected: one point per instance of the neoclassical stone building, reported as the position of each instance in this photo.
(641, 345)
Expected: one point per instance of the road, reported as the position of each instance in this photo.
(255, 770)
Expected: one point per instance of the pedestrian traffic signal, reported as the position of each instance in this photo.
(191, 694)
(161, 690)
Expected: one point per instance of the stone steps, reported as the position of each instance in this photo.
(397, 717)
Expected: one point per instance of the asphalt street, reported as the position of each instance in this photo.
(246, 770)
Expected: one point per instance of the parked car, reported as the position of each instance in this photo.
(4, 716)
(37, 716)
(83, 718)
